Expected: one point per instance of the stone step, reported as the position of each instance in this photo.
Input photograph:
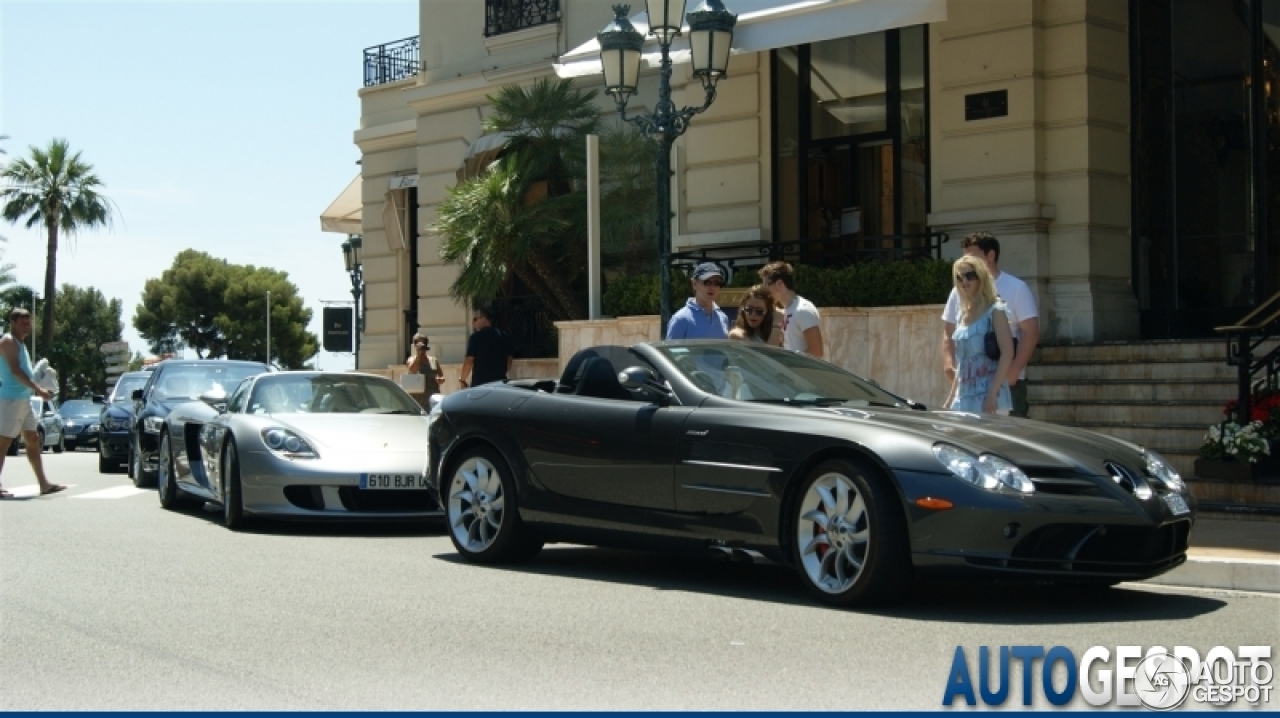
(1206, 350)
(1179, 438)
(1183, 462)
(1146, 390)
(1179, 370)
(1129, 412)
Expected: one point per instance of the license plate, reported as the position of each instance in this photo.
(1177, 505)
(392, 482)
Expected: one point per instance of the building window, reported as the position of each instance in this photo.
(851, 145)
(503, 16)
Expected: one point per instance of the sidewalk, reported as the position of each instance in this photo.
(1231, 552)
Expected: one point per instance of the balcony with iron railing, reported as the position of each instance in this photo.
(391, 62)
(504, 16)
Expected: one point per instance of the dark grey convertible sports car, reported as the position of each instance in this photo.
(753, 452)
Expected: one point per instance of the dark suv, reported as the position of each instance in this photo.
(174, 382)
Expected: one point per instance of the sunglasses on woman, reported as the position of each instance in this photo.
(754, 311)
(970, 276)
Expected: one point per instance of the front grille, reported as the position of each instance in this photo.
(356, 499)
(1097, 548)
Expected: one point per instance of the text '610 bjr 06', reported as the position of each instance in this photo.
(756, 452)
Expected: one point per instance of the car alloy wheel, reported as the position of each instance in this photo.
(40, 436)
(167, 484)
(136, 471)
(480, 508)
(850, 538)
(59, 447)
(232, 497)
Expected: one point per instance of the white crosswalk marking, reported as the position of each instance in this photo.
(115, 492)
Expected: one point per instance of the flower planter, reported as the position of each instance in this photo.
(1237, 470)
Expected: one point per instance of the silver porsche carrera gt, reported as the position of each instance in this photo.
(300, 445)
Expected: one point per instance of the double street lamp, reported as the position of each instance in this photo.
(351, 257)
(710, 35)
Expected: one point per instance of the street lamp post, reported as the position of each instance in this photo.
(351, 257)
(711, 34)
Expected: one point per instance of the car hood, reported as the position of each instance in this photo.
(1028, 443)
(357, 433)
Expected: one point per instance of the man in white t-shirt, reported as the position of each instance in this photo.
(1024, 317)
(800, 320)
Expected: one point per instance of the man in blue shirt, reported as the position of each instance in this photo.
(701, 318)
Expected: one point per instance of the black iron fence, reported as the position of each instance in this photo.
(391, 61)
(834, 252)
(503, 16)
(529, 324)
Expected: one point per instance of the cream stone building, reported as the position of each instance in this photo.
(1124, 151)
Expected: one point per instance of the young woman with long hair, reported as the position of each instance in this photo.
(979, 385)
(755, 318)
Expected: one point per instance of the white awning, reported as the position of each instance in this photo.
(481, 153)
(768, 24)
(343, 216)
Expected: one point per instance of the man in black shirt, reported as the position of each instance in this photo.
(488, 352)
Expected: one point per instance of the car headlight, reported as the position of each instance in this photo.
(987, 471)
(1160, 470)
(152, 424)
(288, 443)
(116, 423)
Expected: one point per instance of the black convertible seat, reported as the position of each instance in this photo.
(599, 380)
(573, 371)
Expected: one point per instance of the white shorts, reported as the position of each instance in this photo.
(16, 417)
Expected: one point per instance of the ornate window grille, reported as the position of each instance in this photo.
(391, 61)
(503, 16)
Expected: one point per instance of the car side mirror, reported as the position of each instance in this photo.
(216, 399)
(136, 395)
(642, 379)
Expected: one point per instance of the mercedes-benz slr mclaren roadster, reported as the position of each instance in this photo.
(751, 452)
(300, 445)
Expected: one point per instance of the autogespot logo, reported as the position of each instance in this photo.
(1158, 679)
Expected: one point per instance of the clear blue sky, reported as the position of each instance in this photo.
(220, 126)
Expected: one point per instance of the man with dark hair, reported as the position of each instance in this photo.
(701, 317)
(16, 389)
(1022, 312)
(489, 352)
(801, 330)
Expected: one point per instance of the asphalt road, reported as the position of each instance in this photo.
(109, 602)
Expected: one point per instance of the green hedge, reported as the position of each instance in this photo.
(872, 284)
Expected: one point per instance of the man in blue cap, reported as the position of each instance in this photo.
(701, 318)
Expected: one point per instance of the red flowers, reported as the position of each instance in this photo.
(1260, 406)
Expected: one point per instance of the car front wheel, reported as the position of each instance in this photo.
(850, 544)
(59, 447)
(232, 498)
(170, 495)
(480, 506)
(141, 477)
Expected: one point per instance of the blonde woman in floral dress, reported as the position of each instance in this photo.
(974, 388)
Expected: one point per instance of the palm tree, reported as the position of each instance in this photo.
(54, 187)
(522, 216)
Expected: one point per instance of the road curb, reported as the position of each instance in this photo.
(1241, 574)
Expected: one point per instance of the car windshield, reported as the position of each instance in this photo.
(190, 382)
(126, 385)
(79, 409)
(752, 372)
(330, 394)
